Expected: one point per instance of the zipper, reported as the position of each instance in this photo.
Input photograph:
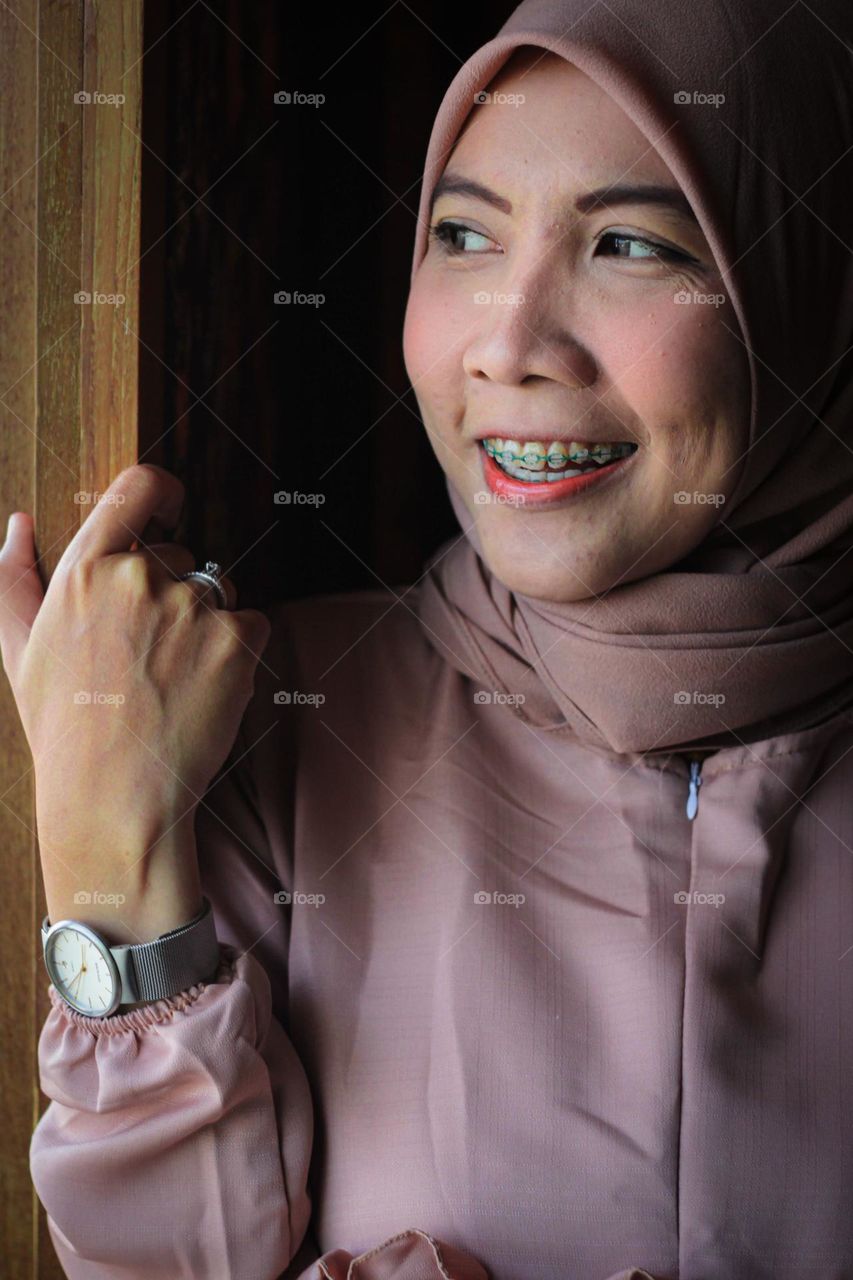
(693, 787)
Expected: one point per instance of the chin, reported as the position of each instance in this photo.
(557, 585)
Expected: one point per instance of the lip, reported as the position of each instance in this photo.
(549, 493)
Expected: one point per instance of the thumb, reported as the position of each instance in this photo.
(21, 591)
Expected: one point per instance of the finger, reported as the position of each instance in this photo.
(260, 629)
(172, 557)
(21, 589)
(178, 560)
(154, 532)
(138, 494)
(209, 596)
(19, 547)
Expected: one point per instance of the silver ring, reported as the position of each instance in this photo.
(210, 575)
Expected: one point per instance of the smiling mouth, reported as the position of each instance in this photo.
(536, 462)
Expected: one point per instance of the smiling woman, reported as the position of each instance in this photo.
(544, 327)
(567, 1000)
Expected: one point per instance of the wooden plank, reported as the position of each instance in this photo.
(111, 195)
(69, 219)
(18, 179)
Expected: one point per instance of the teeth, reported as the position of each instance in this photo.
(558, 454)
(533, 455)
(539, 477)
(531, 460)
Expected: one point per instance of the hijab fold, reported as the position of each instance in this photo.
(751, 635)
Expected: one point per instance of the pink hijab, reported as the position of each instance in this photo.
(762, 610)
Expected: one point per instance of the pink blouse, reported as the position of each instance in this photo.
(177, 1144)
(489, 1003)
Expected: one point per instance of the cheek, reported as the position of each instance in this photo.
(670, 363)
(414, 336)
(431, 353)
(422, 328)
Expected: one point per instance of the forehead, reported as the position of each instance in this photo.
(549, 131)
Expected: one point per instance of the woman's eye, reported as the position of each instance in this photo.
(446, 232)
(452, 237)
(646, 249)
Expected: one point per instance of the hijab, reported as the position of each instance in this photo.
(762, 610)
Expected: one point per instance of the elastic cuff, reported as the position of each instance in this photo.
(158, 1011)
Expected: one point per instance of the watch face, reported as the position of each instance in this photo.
(82, 971)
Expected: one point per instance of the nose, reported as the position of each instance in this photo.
(526, 332)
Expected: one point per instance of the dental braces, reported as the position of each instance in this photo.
(585, 456)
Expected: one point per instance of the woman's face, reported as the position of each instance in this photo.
(585, 336)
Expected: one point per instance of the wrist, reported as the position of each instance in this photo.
(124, 900)
(172, 964)
(126, 838)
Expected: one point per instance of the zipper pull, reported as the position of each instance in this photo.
(693, 788)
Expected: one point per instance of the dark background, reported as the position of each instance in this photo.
(243, 198)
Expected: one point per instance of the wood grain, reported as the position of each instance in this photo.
(69, 222)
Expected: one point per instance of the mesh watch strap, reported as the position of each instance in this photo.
(169, 964)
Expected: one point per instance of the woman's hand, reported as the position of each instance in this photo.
(130, 686)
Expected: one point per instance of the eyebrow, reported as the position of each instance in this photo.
(605, 197)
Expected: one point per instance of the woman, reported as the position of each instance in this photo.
(561, 984)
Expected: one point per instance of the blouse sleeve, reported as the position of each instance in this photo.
(410, 1255)
(178, 1136)
(413, 1255)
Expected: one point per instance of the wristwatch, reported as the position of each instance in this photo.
(94, 978)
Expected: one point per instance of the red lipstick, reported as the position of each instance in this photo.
(546, 492)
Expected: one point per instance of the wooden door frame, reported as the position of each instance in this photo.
(69, 227)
